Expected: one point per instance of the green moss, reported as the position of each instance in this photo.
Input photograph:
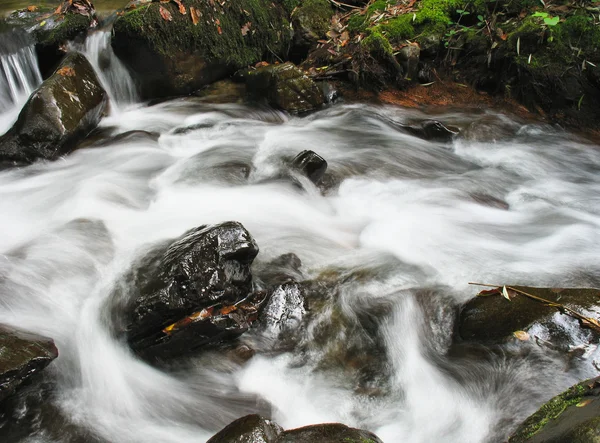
(218, 34)
(357, 23)
(548, 412)
(577, 31)
(67, 29)
(529, 36)
(290, 5)
(376, 43)
(399, 28)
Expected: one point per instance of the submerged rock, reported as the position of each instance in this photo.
(61, 112)
(22, 355)
(433, 130)
(284, 310)
(249, 429)
(573, 416)
(256, 429)
(172, 53)
(493, 319)
(285, 87)
(195, 291)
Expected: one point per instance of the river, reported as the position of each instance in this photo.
(405, 224)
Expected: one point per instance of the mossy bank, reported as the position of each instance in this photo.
(174, 53)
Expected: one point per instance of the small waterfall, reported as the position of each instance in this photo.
(112, 73)
(19, 72)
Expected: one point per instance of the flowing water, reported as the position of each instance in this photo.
(404, 225)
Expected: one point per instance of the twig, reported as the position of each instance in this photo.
(585, 321)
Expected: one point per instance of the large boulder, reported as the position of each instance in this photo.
(175, 51)
(192, 292)
(61, 112)
(493, 319)
(256, 429)
(22, 355)
(310, 21)
(573, 416)
(284, 86)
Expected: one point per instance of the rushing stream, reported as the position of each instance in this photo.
(405, 224)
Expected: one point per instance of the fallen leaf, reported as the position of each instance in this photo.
(505, 293)
(194, 13)
(66, 71)
(42, 23)
(181, 7)
(219, 30)
(261, 64)
(165, 14)
(246, 28)
(486, 292)
(32, 8)
(584, 403)
(521, 335)
(227, 309)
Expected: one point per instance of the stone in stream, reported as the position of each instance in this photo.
(256, 429)
(181, 53)
(196, 290)
(310, 164)
(285, 87)
(493, 319)
(573, 417)
(284, 310)
(432, 130)
(59, 114)
(22, 355)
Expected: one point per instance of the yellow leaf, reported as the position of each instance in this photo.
(521, 335)
(584, 403)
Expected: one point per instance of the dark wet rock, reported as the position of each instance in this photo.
(22, 355)
(310, 21)
(285, 87)
(433, 130)
(284, 309)
(249, 429)
(310, 164)
(61, 112)
(256, 429)
(573, 416)
(493, 319)
(223, 91)
(328, 433)
(195, 291)
(178, 57)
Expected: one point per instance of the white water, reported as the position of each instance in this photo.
(19, 76)
(113, 75)
(417, 217)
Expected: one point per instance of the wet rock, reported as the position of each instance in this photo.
(285, 87)
(195, 291)
(328, 433)
(433, 130)
(223, 91)
(177, 56)
(61, 112)
(255, 429)
(310, 164)
(573, 416)
(409, 60)
(249, 429)
(284, 310)
(493, 319)
(22, 355)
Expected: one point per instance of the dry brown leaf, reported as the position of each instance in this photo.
(584, 403)
(521, 335)
(182, 9)
(66, 71)
(219, 30)
(261, 64)
(195, 14)
(227, 309)
(246, 28)
(32, 8)
(165, 14)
